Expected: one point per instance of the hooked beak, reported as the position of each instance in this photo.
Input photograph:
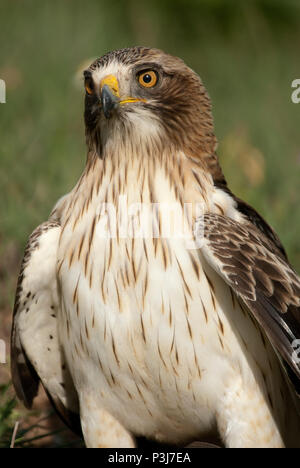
(110, 96)
(109, 101)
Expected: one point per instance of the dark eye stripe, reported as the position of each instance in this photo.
(89, 85)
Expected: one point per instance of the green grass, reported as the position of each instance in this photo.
(247, 54)
(7, 417)
(29, 436)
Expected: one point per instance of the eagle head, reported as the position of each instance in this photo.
(145, 96)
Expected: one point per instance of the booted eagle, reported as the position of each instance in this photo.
(142, 332)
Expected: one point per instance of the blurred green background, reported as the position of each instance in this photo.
(247, 53)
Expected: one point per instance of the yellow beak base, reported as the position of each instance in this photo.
(111, 82)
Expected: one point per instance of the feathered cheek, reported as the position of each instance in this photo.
(92, 115)
(143, 121)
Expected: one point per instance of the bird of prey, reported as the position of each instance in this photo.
(153, 335)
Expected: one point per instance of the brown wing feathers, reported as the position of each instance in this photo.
(263, 280)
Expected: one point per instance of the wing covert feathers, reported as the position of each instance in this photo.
(260, 277)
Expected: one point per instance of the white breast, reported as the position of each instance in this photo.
(147, 326)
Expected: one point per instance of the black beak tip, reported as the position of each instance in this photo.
(109, 101)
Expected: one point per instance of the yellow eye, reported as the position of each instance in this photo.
(148, 78)
(89, 86)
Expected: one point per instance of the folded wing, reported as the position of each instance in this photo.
(261, 278)
(36, 352)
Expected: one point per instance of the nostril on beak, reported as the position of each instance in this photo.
(109, 101)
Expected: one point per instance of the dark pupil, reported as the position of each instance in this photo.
(147, 78)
